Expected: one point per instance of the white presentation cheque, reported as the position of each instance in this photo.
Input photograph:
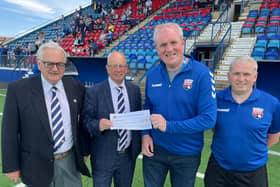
(139, 120)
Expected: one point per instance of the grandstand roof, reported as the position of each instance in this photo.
(4, 39)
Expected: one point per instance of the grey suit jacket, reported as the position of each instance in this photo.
(98, 104)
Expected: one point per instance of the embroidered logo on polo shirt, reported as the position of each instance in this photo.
(257, 112)
(187, 85)
(157, 85)
(223, 109)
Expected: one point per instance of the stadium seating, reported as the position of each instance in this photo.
(55, 27)
(267, 47)
(139, 47)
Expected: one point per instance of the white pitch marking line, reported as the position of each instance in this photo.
(274, 153)
(200, 175)
(140, 157)
(3, 95)
(20, 185)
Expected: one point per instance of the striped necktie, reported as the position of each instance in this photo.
(123, 133)
(57, 123)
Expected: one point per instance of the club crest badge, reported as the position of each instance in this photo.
(187, 85)
(257, 112)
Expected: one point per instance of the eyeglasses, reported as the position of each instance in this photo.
(51, 65)
(115, 66)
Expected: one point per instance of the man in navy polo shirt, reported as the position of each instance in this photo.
(248, 123)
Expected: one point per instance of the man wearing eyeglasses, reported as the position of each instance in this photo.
(43, 142)
(113, 152)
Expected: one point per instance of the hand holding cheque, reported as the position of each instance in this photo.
(139, 120)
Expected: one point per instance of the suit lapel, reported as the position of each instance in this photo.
(130, 95)
(72, 101)
(108, 94)
(40, 104)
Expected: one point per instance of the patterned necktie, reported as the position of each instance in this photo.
(57, 123)
(123, 134)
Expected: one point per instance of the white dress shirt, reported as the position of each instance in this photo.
(66, 117)
(114, 92)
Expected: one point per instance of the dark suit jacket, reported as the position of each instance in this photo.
(27, 143)
(98, 104)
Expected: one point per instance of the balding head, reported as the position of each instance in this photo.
(116, 67)
(115, 55)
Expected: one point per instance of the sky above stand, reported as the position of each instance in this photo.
(18, 16)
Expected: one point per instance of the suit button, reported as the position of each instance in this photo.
(51, 160)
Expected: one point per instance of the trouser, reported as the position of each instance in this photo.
(182, 168)
(121, 172)
(66, 173)
(216, 176)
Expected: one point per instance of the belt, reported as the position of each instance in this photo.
(60, 156)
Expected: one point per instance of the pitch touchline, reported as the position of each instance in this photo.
(274, 153)
(20, 185)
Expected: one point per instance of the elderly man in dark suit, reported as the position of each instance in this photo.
(113, 152)
(43, 141)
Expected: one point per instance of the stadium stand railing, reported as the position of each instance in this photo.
(220, 50)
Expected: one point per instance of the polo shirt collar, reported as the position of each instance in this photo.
(254, 95)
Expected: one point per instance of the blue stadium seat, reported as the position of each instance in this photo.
(141, 63)
(274, 41)
(258, 52)
(132, 63)
(262, 41)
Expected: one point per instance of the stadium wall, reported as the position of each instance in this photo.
(268, 77)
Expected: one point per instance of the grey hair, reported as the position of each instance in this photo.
(169, 25)
(245, 59)
(52, 45)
